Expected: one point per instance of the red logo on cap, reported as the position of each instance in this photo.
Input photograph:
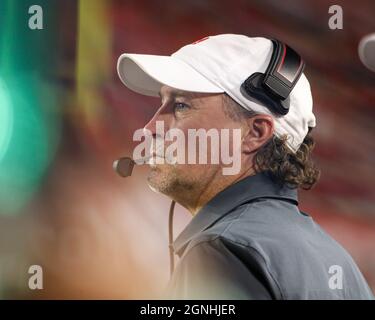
(200, 40)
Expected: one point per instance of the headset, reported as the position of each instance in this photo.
(276, 84)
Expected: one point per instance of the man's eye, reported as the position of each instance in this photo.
(180, 106)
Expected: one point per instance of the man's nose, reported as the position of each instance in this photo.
(159, 120)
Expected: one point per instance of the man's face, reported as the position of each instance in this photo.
(183, 111)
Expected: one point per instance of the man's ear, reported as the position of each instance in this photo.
(260, 129)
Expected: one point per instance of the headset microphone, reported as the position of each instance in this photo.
(124, 168)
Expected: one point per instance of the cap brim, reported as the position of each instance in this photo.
(146, 74)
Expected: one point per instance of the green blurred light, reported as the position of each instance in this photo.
(29, 113)
(30, 139)
(6, 119)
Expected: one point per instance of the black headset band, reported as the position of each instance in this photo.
(276, 84)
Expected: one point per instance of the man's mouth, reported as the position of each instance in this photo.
(154, 157)
(157, 155)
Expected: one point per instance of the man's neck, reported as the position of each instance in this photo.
(215, 186)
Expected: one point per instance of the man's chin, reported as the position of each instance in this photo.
(158, 178)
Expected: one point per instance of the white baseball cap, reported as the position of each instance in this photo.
(218, 64)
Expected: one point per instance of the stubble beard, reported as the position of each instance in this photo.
(168, 180)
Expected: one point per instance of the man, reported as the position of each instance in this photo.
(247, 238)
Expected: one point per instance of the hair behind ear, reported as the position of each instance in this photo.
(297, 170)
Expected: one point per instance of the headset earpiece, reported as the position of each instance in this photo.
(276, 84)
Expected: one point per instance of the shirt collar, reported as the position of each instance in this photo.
(243, 191)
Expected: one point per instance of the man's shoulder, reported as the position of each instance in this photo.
(274, 230)
(258, 223)
(286, 247)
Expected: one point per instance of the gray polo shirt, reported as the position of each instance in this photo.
(251, 242)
